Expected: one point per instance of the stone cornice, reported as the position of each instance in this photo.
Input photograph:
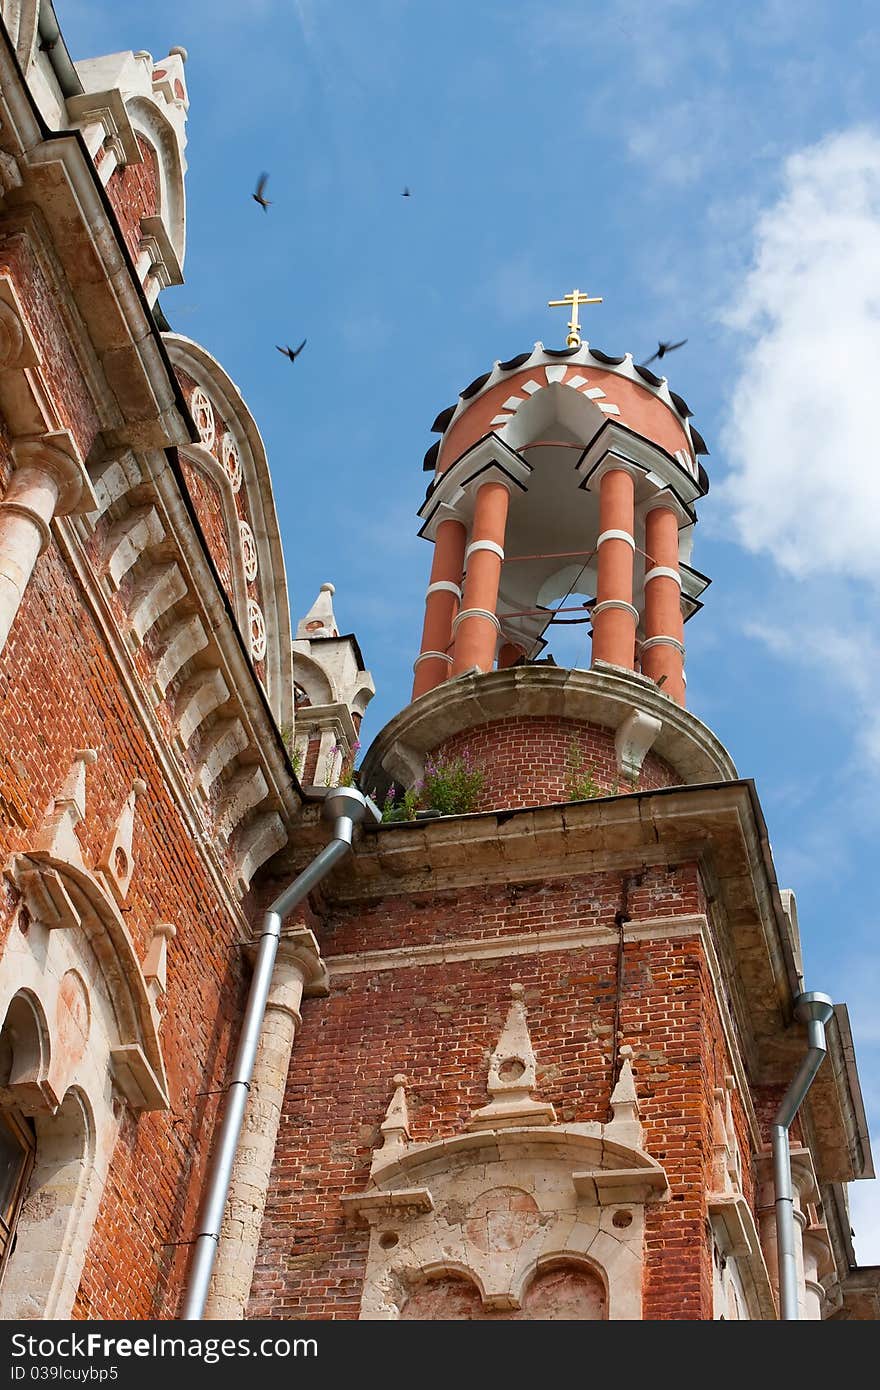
(604, 695)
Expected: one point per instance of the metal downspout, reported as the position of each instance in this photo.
(815, 1010)
(346, 806)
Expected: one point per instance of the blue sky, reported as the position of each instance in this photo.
(714, 174)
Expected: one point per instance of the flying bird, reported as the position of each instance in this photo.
(292, 353)
(258, 196)
(662, 349)
(406, 193)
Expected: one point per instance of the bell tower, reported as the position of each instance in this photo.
(564, 483)
(563, 491)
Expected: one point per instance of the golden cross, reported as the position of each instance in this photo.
(574, 299)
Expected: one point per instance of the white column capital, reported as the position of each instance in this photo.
(55, 457)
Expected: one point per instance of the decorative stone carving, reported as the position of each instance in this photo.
(156, 965)
(634, 739)
(159, 589)
(117, 861)
(249, 551)
(231, 460)
(203, 415)
(626, 1124)
(500, 1204)
(512, 1076)
(197, 698)
(257, 625)
(58, 837)
(395, 1126)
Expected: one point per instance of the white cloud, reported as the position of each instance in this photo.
(802, 428)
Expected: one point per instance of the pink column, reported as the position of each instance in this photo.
(476, 627)
(441, 605)
(614, 617)
(663, 648)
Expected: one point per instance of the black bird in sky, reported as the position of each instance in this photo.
(662, 349)
(292, 353)
(406, 193)
(258, 196)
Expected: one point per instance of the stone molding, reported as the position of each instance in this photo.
(602, 695)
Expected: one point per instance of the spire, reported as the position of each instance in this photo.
(625, 1124)
(395, 1126)
(512, 1076)
(320, 621)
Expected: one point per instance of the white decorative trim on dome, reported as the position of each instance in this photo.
(555, 373)
(532, 386)
(577, 382)
(231, 459)
(609, 409)
(595, 393)
(257, 625)
(249, 551)
(512, 403)
(501, 420)
(203, 415)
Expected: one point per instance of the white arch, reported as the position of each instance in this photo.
(148, 121)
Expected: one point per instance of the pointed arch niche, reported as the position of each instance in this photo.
(80, 1039)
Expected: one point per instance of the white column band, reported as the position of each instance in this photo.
(429, 656)
(663, 572)
(444, 586)
(616, 536)
(475, 613)
(615, 603)
(484, 545)
(663, 642)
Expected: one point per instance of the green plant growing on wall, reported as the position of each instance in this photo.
(580, 783)
(452, 785)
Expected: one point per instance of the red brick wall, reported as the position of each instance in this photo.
(209, 506)
(437, 1023)
(59, 366)
(134, 193)
(527, 761)
(59, 692)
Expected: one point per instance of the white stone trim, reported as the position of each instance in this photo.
(556, 372)
(531, 386)
(663, 572)
(616, 603)
(595, 393)
(501, 420)
(428, 656)
(443, 586)
(613, 535)
(578, 381)
(484, 545)
(513, 944)
(609, 409)
(662, 642)
(475, 613)
(512, 403)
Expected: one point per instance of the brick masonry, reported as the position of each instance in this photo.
(438, 1023)
(75, 699)
(134, 192)
(536, 760)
